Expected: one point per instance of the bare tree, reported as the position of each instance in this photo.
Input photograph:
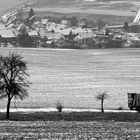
(13, 78)
(102, 96)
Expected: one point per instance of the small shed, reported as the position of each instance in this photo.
(133, 101)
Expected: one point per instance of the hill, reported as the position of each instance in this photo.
(108, 7)
(5, 5)
(75, 77)
(113, 11)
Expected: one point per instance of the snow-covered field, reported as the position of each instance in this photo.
(74, 77)
(104, 7)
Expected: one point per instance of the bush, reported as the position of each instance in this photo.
(59, 107)
(120, 108)
(25, 40)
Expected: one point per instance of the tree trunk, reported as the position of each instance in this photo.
(8, 109)
(102, 107)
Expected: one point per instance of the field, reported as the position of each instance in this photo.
(113, 11)
(110, 19)
(8, 4)
(103, 7)
(75, 77)
(73, 125)
(69, 130)
(107, 7)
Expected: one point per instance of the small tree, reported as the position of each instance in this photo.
(59, 107)
(25, 40)
(126, 25)
(13, 78)
(31, 13)
(102, 96)
(74, 21)
(30, 19)
(100, 23)
(70, 39)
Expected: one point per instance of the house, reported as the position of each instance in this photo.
(44, 21)
(11, 20)
(7, 35)
(66, 23)
(54, 36)
(33, 33)
(81, 23)
(2, 27)
(22, 29)
(83, 33)
(65, 32)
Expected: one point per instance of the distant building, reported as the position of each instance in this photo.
(81, 23)
(44, 21)
(66, 23)
(22, 29)
(7, 36)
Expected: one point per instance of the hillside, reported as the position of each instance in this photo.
(5, 5)
(107, 7)
(113, 11)
(75, 77)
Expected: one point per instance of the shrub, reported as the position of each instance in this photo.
(120, 108)
(59, 107)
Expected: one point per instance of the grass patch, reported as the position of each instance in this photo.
(74, 125)
(72, 116)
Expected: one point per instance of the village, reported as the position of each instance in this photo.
(69, 69)
(17, 31)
